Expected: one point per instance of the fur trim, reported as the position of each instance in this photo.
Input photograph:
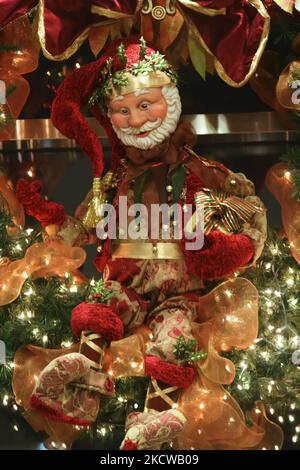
(37, 404)
(99, 318)
(171, 374)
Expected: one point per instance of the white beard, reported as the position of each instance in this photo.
(160, 130)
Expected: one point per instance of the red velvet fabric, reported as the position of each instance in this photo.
(64, 20)
(46, 212)
(215, 4)
(221, 255)
(123, 6)
(234, 37)
(13, 9)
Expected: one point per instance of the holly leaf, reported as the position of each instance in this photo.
(197, 55)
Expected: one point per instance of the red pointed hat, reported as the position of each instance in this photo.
(126, 66)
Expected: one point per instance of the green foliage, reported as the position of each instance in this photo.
(39, 316)
(122, 55)
(185, 351)
(5, 222)
(283, 32)
(143, 48)
(266, 370)
(292, 157)
(97, 292)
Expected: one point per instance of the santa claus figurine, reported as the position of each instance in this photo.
(132, 91)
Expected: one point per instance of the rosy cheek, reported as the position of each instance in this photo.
(158, 111)
(118, 120)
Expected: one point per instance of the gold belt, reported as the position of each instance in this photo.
(147, 250)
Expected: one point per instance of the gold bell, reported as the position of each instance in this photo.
(92, 216)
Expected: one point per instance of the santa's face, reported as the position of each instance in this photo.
(145, 118)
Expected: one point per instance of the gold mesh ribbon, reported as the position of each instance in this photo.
(100, 185)
(231, 211)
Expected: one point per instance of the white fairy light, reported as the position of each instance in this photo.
(287, 174)
(29, 292)
(29, 314)
(280, 341)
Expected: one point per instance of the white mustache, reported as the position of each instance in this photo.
(147, 127)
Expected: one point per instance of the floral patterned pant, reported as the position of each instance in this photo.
(156, 292)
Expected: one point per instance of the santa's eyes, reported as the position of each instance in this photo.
(126, 111)
(144, 105)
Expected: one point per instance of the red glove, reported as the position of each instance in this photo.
(220, 256)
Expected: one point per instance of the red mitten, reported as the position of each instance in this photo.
(46, 212)
(221, 255)
(99, 318)
(56, 396)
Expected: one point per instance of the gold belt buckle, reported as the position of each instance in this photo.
(147, 250)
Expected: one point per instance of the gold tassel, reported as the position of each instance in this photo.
(92, 216)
